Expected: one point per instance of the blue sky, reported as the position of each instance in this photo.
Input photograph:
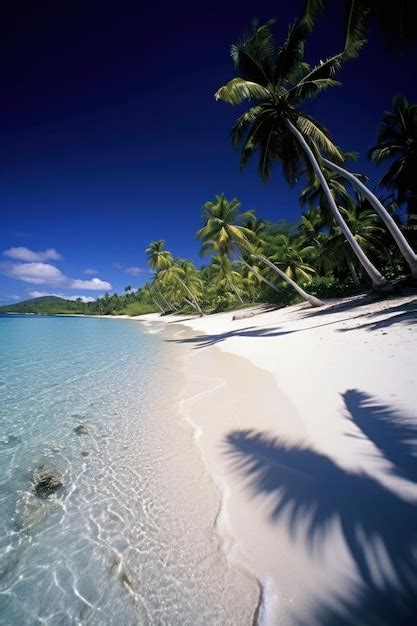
(111, 136)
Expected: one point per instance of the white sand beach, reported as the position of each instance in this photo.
(314, 451)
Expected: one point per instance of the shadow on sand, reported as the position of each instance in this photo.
(400, 314)
(310, 492)
(405, 313)
(203, 341)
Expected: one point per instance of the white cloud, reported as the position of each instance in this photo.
(83, 298)
(95, 284)
(46, 274)
(90, 271)
(41, 294)
(21, 253)
(134, 271)
(36, 273)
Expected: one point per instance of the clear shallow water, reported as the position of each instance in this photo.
(129, 538)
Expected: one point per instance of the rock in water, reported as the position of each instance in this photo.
(47, 483)
(81, 430)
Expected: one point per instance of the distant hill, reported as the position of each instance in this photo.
(51, 305)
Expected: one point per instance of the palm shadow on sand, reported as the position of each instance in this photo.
(310, 492)
(204, 341)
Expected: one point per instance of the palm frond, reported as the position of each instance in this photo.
(254, 54)
(318, 137)
(238, 90)
(356, 21)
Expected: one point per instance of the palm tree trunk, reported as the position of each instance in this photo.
(353, 273)
(157, 304)
(193, 305)
(379, 282)
(311, 299)
(168, 304)
(235, 290)
(406, 250)
(259, 276)
(197, 306)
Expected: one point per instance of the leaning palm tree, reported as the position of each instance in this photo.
(160, 259)
(278, 81)
(224, 233)
(403, 245)
(182, 279)
(291, 255)
(146, 292)
(334, 252)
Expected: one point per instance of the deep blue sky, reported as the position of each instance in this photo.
(111, 136)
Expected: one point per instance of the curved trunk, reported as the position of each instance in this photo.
(168, 304)
(311, 299)
(379, 282)
(196, 305)
(155, 301)
(259, 276)
(406, 250)
(235, 290)
(353, 273)
(192, 305)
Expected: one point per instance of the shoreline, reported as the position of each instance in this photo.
(326, 370)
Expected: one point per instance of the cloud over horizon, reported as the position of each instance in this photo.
(95, 284)
(21, 253)
(39, 273)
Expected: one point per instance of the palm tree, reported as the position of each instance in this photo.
(364, 224)
(290, 254)
(224, 233)
(182, 277)
(147, 294)
(396, 20)
(160, 259)
(224, 277)
(406, 250)
(254, 276)
(397, 144)
(279, 81)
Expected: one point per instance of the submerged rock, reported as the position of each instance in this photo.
(81, 430)
(10, 440)
(47, 483)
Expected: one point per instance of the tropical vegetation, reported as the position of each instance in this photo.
(348, 238)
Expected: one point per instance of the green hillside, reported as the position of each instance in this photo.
(51, 305)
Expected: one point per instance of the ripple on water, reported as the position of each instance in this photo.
(128, 538)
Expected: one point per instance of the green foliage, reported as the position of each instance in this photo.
(397, 146)
(277, 80)
(46, 305)
(138, 308)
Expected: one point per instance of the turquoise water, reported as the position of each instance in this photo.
(129, 537)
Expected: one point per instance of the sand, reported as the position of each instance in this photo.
(306, 420)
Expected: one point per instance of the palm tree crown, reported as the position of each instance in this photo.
(158, 257)
(279, 81)
(223, 231)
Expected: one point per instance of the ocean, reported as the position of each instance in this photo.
(130, 537)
